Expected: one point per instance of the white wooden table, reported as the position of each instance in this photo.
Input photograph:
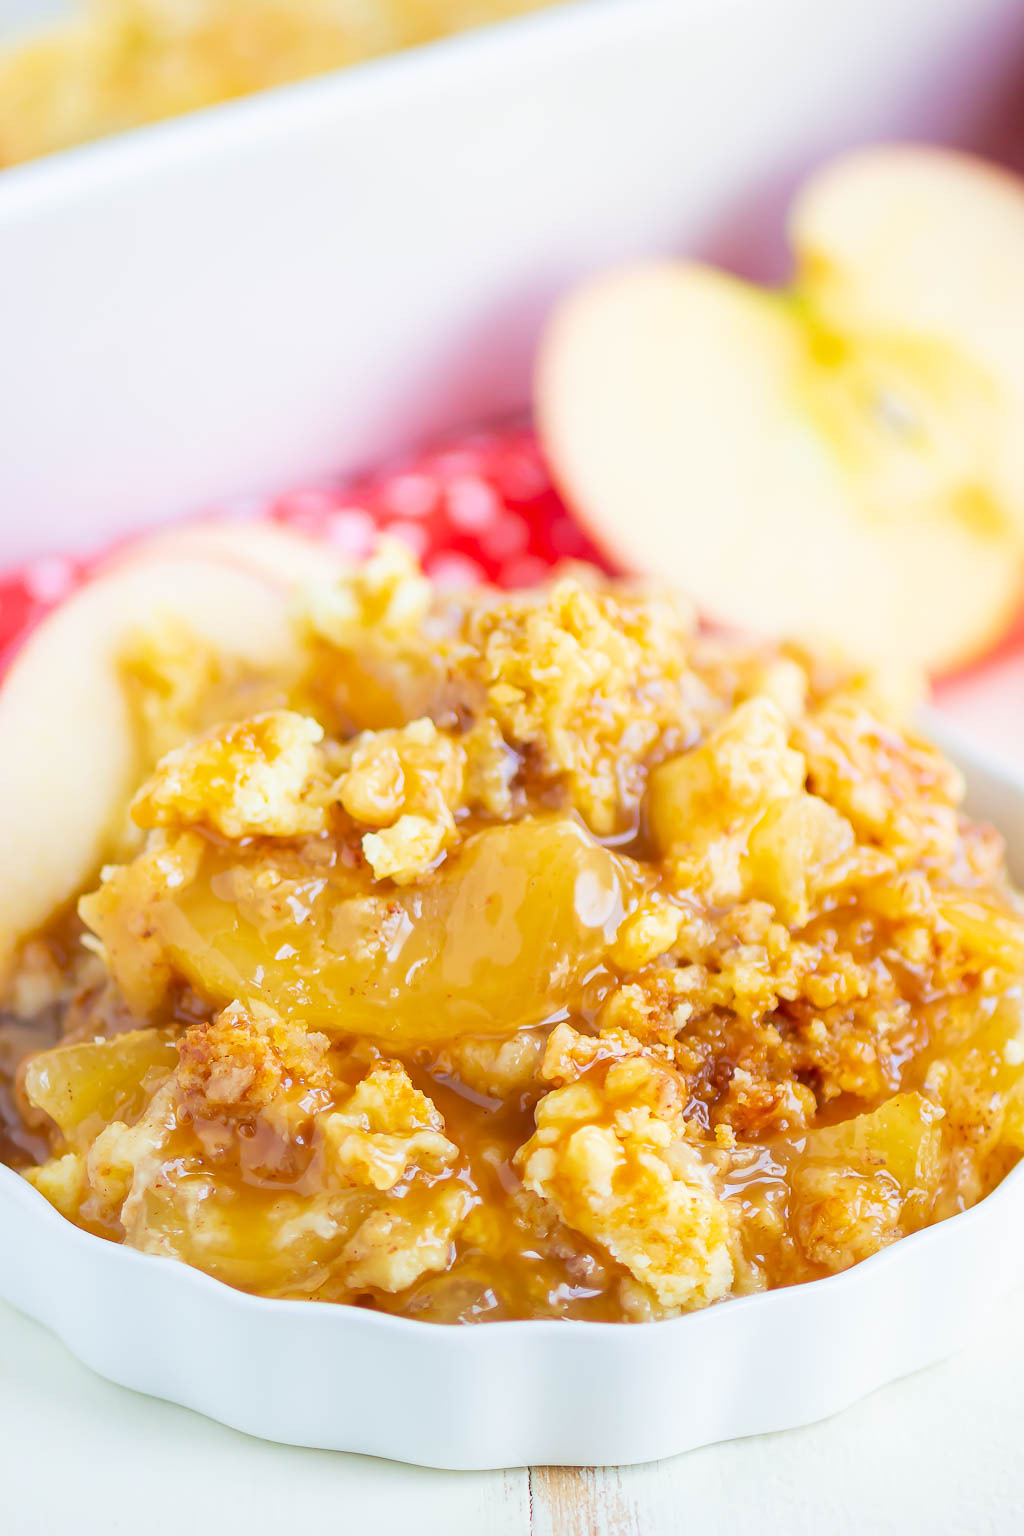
(939, 1453)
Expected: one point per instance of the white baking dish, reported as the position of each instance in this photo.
(510, 1394)
(294, 285)
(300, 282)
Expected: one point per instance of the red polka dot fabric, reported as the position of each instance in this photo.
(30, 591)
(478, 507)
(481, 506)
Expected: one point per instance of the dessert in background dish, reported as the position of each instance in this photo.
(117, 64)
(470, 955)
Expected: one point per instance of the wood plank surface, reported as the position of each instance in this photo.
(586, 1501)
(935, 1455)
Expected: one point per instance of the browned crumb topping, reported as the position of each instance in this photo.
(237, 1066)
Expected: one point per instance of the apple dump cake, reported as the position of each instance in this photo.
(487, 955)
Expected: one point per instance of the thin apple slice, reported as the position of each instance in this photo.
(281, 554)
(845, 460)
(66, 743)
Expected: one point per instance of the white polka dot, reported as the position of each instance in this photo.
(352, 530)
(410, 495)
(472, 504)
(49, 578)
(454, 570)
(412, 534)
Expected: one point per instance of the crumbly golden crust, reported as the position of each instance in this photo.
(238, 1065)
(614, 1158)
(254, 778)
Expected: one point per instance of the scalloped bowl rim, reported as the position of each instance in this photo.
(17, 1188)
(514, 1392)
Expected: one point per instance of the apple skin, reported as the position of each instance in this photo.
(68, 762)
(733, 441)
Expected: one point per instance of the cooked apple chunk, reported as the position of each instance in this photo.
(506, 932)
(131, 1106)
(88, 1085)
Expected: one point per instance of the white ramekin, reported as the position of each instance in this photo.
(296, 284)
(521, 1393)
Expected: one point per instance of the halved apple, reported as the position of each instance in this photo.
(845, 459)
(67, 755)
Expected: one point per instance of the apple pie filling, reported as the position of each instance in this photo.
(520, 955)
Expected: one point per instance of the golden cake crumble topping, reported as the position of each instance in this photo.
(525, 954)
